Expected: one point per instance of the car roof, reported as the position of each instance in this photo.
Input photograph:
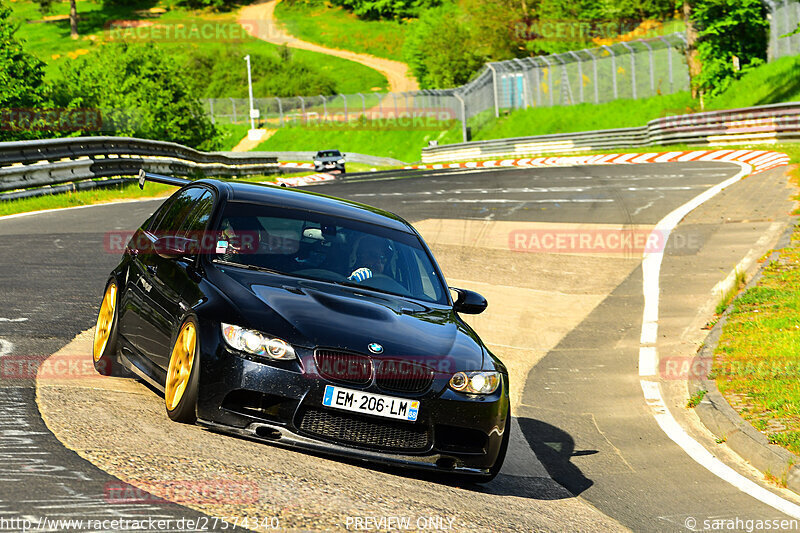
(291, 198)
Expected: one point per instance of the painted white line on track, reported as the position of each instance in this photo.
(6, 347)
(106, 204)
(651, 269)
(12, 319)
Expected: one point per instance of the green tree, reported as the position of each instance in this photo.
(46, 6)
(22, 86)
(140, 92)
(439, 58)
(730, 33)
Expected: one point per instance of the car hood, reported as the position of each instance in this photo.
(317, 314)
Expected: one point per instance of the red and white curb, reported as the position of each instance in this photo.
(305, 180)
(760, 160)
(299, 181)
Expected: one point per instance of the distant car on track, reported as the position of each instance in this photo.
(327, 160)
(307, 321)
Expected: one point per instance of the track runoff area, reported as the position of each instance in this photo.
(601, 439)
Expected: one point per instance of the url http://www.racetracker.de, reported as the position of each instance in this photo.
(202, 523)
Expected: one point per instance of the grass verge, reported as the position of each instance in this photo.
(390, 139)
(334, 27)
(757, 360)
(215, 32)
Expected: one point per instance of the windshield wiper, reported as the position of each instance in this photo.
(249, 267)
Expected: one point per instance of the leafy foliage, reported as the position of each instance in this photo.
(141, 92)
(728, 29)
(387, 9)
(22, 85)
(222, 73)
(433, 55)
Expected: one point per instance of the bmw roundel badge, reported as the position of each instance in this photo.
(374, 347)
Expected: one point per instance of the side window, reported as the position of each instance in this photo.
(176, 212)
(197, 219)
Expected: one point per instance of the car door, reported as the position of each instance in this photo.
(156, 283)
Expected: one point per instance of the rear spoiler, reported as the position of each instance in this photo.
(158, 178)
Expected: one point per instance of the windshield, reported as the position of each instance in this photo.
(329, 153)
(323, 247)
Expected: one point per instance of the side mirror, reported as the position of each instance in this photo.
(174, 247)
(469, 302)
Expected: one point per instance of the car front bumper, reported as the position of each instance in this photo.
(268, 402)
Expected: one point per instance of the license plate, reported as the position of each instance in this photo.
(374, 404)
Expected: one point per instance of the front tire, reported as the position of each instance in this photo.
(180, 388)
(104, 347)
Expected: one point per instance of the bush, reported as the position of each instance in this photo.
(386, 9)
(441, 59)
(21, 82)
(141, 92)
(223, 73)
(729, 28)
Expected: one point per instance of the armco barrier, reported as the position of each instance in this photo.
(27, 164)
(755, 125)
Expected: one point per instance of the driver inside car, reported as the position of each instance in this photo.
(372, 256)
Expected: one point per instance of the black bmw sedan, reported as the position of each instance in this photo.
(306, 321)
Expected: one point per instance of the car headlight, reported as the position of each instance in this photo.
(475, 382)
(256, 343)
(341, 161)
(317, 162)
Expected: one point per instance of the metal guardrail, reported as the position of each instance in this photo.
(754, 125)
(27, 164)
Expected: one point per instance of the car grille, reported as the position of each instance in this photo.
(354, 429)
(403, 376)
(345, 367)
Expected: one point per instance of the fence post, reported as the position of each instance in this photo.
(580, 73)
(494, 90)
(595, 80)
(633, 68)
(211, 110)
(233, 105)
(324, 107)
(463, 117)
(613, 70)
(280, 109)
(669, 62)
(652, 68)
(538, 85)
(549, 77)
(344, 99)
(363, 104)
(303, 109)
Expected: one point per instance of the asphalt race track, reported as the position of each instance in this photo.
(587, 453)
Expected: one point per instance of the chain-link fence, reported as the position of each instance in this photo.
(784, 18)
(635, 69)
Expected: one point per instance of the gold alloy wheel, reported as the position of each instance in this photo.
(105, 319)
(180, 365)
